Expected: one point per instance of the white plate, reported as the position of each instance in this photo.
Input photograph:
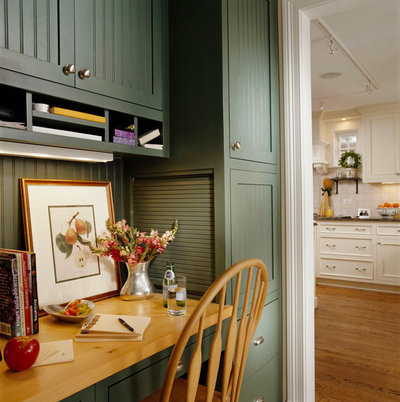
(55, 311)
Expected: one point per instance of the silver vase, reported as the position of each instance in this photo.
(138, 285)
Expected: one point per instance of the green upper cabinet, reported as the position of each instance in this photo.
(115, 48)
(37, 38)
(253, 80)
(119, 42)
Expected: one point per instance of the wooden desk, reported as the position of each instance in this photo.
(95, 361)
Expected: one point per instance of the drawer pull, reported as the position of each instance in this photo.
(179, 367)
(330, 228)
(258, 341)
(361, 229)
(259, 399)
(360, 247)
(330, 245)
(361, 269)
(330, 266)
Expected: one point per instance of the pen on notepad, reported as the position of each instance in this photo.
(125, 324)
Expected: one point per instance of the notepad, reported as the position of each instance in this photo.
(106, 327)
(55, 352)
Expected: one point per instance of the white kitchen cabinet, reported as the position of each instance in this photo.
(359, 252)
(381, 156)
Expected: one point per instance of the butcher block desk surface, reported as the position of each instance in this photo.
(94, 361)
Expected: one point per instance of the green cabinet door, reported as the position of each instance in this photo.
(253, 80)
(119, 42)
(255, 221)
(37, 38)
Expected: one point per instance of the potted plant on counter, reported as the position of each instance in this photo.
(350, 160)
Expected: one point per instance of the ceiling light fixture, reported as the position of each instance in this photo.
(332, 48)
(321, 106)
(46, 152)
(336, 43)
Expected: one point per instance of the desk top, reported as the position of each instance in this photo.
(57, 381)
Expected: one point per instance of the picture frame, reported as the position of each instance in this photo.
(60, 218)
(363, 213)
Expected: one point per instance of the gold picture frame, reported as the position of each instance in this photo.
(61, 218)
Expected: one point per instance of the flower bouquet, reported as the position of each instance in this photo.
(137, 249)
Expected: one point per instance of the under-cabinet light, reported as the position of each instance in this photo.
(46, 152)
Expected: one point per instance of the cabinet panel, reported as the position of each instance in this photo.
(388, 256)
(255, 220)
(252, 77)
(37, 38)
(382, 146)
(119, 41)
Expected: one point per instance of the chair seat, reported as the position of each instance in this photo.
(179, 391)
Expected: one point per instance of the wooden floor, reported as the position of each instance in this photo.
(357, 345)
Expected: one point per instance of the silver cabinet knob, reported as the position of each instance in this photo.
(69, 69)
(179, 367)
(258, 341)
(84, 73)
(259, 399)
(236, 145)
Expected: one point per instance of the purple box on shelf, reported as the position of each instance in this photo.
(124, 134)
(125, 141)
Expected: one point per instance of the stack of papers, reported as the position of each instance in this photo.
(107, 327)
(13, 124)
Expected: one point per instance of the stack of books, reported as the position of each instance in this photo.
(18, 294)
(125, 137)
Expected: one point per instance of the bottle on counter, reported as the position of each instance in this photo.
(168, 281)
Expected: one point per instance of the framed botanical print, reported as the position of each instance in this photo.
(61, 219)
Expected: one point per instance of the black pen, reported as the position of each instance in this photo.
(125, 324)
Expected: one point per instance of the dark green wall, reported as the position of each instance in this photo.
(11, 169)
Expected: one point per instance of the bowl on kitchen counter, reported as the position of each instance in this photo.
(387, 213)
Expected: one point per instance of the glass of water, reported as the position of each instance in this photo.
(177, 296)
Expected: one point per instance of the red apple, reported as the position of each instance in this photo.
(21, 352)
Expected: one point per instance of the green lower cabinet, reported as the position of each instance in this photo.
(265, 384)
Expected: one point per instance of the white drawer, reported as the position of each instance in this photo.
(391, 230)
(345, 268)
(348, 246)
(354, 229)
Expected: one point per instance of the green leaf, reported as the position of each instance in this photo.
(84, 242)
(61, 243)
(88, 227)
(69, 250)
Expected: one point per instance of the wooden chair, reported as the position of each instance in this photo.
(237, 344)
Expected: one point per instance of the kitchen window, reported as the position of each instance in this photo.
(345, 141)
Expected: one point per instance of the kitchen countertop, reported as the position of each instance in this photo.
(355, 219)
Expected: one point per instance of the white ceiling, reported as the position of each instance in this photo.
(371, 34)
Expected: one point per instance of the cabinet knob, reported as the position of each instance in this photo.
(69, 69)
(379, 243)
(179, 367)
(330, 245)
(361, 229)
(330, 266)
(84, 73)
(236, 145)
(360, 247)
(330, 228)
(258, 341)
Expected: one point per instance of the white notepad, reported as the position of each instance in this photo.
(55, 352)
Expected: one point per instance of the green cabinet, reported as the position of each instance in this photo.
(37, 38)
(253, 80)
(115, 48)
(119, 42)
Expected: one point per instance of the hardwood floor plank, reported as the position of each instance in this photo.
(357, 345)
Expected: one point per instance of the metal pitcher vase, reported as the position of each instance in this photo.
(138, 285)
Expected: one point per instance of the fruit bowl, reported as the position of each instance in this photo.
(387, 213)
(55, 310)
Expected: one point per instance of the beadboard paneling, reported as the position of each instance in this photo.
(157, 202)
(11, 169)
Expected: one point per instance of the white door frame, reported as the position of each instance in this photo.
(297, 110)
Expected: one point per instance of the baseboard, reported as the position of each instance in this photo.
(375, 287)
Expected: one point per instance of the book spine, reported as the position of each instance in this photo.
(25, 278)
(35, 301)
(15, 290)
(124, 134)
(21, 294)
(125, 141)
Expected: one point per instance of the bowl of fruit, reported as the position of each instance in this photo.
(387, 210)
(77, 310)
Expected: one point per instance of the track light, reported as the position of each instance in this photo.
(332, 48)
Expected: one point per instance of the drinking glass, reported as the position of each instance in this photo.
(177, 296)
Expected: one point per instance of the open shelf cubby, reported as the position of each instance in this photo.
(44, 128)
